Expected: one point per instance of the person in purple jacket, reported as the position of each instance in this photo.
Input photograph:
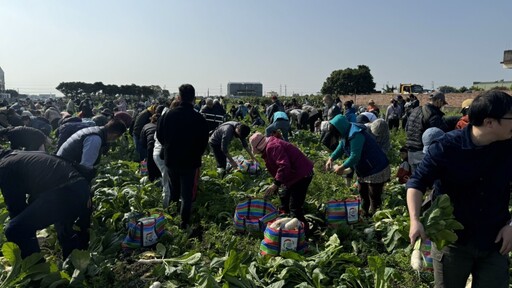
(290, 169)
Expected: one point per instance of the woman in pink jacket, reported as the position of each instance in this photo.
(290, 169)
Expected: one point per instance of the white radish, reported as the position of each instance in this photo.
(417, 257)
(292, 224)
(279, 222)
(345, 171)
(156, 285)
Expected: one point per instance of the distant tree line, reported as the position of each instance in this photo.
(77, 89)
(350, 81)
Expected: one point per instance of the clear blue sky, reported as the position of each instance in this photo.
(210, 43)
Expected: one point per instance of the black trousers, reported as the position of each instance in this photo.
(394, 123)
(61, 207)
(184, 185)
(293, 198)
(372, 196)
(220, 157)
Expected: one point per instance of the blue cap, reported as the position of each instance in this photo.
(429, 136)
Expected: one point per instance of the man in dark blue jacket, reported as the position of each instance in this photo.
(472, 166)
(183, 133)
(57, 194)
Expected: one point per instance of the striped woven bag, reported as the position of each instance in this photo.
(253, 214)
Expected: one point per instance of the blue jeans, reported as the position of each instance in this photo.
(282, 125)
(61, 207)
(138, 148)
(454, 263)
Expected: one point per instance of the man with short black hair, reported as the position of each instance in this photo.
(472, 166)
(183, 133)
(85, 145)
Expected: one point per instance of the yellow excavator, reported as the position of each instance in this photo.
(411, 89)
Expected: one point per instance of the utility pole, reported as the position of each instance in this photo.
(285, 93)
(220, 89)
(280, 90)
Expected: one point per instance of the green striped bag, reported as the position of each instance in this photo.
(277, 240)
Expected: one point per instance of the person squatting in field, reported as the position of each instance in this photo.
(57, 194)
(472, 166)
(291, 170)
(364, 156)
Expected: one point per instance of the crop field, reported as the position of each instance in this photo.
(374, 252)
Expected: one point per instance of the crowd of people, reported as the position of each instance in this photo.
(440, 155)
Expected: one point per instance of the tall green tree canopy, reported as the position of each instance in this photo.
(349, 81)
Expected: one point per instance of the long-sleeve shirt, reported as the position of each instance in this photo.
(183, 134)
(477, 179)
(285, 162)
(224, 134)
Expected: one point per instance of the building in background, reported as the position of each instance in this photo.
(271, 94)
(491, 85)
(2, 80)
(507, 59)
(245, 89)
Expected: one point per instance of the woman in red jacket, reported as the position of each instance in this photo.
(290, 169)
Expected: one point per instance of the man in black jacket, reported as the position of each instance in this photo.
(26, 138)
(183, 133)
(57, 194)
(422, 118)
(142, 119)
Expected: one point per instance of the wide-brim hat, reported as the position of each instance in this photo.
(258, 142)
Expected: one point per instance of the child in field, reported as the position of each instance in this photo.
(404, 171)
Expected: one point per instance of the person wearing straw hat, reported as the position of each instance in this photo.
(464, 120)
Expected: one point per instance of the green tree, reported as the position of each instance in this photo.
(447, 89)
(388, 89)
(349, 81)
(463, 89)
